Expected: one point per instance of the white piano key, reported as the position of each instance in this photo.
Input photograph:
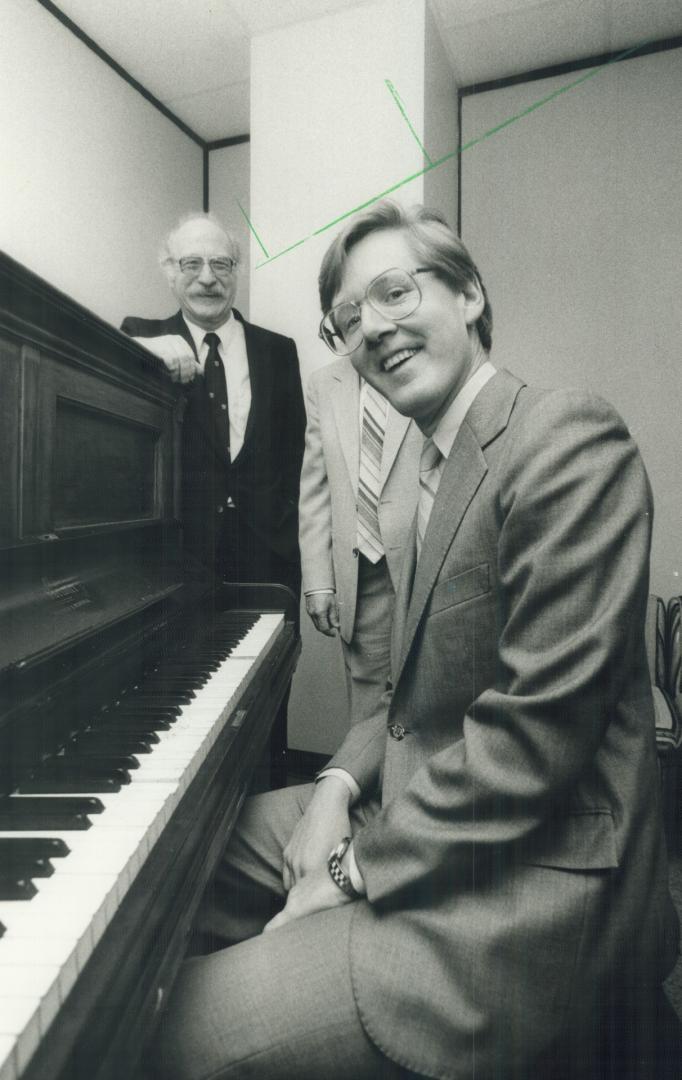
(51, 936)
(39, 983)
(20, 1018)
(8, 1061)
(37, 952)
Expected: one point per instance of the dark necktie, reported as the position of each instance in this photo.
(216, 394)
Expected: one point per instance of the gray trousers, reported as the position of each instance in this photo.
(367, 657)
(277, 1005)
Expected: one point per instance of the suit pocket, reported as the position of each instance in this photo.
(461, 587)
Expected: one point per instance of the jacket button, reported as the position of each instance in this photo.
(389, 685)
(397, 731)
(356, 552)
(219, 509)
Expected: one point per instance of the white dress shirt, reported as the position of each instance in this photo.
(232, 351)
(444, 437)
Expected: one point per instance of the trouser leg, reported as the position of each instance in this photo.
(367, 657)
(277, 1005)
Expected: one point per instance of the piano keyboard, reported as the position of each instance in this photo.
(54, 924)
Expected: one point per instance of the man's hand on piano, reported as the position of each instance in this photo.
(176, 354)
(315, 892)
(319, 830)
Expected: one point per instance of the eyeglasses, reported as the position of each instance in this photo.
(394, 294)
(191, 266)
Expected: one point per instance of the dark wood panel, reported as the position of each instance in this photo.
(104, 468)
(10, 381)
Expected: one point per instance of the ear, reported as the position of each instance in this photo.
(474, 302)
(167, 268)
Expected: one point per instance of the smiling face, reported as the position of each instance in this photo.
(206, 299)
(422, 361)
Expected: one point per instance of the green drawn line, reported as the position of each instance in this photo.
(467, 146)
(361, 206)
(260, 242)
(396, 98)
(271, 258)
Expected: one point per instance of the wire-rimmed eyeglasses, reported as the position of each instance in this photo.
(192, 265)
(394, 294)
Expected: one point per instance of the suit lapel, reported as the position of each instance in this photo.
(462, 476)
(463, 472)
(346, 409)
(396, 429)
(177, 325)
(257, 358)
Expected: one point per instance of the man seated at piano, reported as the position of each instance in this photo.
(244, 420)
(476, 885)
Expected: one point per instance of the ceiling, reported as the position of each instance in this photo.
(193, 55)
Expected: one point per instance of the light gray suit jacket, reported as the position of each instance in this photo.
(516, 871)
(329, 487)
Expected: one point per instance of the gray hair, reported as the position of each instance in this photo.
(165, 257)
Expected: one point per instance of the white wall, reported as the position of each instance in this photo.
(326, 136)
(573, 214)
(441, 124)
(91, 174)
(228, 186)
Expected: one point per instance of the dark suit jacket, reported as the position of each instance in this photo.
(259, 540)
(516, 871)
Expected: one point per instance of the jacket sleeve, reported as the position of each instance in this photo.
(574, 515)
(315, 507)
(294, 428)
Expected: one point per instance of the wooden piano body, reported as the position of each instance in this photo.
(94, 592)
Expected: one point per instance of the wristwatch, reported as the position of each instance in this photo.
(339, 877)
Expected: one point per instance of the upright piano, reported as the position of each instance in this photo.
(136, 697)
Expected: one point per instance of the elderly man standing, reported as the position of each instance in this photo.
(244, 421)
(477, 885)
(359, 487)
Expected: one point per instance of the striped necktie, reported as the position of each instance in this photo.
(374, 414)
(431, 465)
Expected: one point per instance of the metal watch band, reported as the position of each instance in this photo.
(337, 874)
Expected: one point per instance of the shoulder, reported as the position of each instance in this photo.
(138, 327)
(327, 373)
(268, 338)
(538, 410)
(569, 435)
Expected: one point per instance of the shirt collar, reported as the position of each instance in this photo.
(451, 421)
(225, 332)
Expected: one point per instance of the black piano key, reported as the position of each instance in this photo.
(14, 887)
(27, 868)
(2, 929)
(167, 684)
(42, 821)
(32, 847)
(65, 766)
(71, 785)
(109, 742)
(160, 698)
(135, 724)
(148, 709)
(25, 814)
(76, 805)
(193, 668)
